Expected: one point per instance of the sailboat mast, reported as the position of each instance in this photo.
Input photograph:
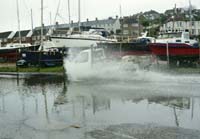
(19, 31)
(41, 24)
(190, 15)
(79, 15)
(31, 20)
(69, 13)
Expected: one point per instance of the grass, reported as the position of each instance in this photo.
(32, 69)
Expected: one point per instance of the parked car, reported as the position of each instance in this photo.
(21, 63)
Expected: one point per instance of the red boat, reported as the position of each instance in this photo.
(175, 50)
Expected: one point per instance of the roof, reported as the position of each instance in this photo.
(110, 20)
(23, 33)
(37, 31)
(4, 35)
(151, 12)
(99, 22)
(129, 20)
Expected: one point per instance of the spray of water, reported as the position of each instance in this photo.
(117, 71)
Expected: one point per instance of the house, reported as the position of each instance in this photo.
(25, 36)
(192, 26)
(112, 25)
(36, 35)
(6, 37)
(131, 27)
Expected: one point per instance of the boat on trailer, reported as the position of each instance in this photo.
(177, 46)
(11, 52)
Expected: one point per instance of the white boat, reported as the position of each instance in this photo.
(83, 40)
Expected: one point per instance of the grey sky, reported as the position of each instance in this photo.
(89, 9)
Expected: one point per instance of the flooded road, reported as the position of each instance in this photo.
(145, 105)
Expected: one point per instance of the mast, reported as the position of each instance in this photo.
(31, 20)
(69, 13)
(174, 16)
(120, 11)
(50, 19)
(41, 24)
(19, 31)
(190, 15)
(79, 15)
(57, 11)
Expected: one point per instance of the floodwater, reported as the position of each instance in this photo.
(141, 105)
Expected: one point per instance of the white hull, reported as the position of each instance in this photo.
(73, 42)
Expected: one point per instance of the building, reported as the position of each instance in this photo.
(112, 25)
(177, 26)
(131, 27)
(36, 36)
(6, 37)
(25, 36)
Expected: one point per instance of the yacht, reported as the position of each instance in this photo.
(83, 40)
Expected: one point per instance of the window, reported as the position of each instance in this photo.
(192, 23)
(125, 32)
(125, 25)
(178, 40)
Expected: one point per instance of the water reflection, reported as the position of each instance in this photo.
(39, 105)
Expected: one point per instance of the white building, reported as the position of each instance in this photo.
(110, 24)
(192, 26)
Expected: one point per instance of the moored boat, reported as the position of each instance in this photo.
(10, 52)
(178, 46)
(138, 46)
(82, 40)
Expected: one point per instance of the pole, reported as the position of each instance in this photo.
(167, 48)
(79, 15)
(139, 25)
(19, 32)
(120, 11)
(92, 56)
(31, 20)
(190, 15)
(50, 19)
(69, 13)
(41, 43)
(41, 24)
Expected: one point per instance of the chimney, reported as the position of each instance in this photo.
(87, 20)
(96, 19)
(116, 16)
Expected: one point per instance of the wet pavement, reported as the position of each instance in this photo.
(144, 105)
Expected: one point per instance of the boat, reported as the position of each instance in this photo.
(178, 46)
(10, 52)
(82, 40)
(47, 55)
(139, 47)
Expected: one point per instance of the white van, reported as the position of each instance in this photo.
(87, 60)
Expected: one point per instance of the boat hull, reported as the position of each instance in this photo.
(123, 49)
(74, 42)
(176, 51)
(12, 54)
(43, 58)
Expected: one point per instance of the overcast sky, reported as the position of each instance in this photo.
(89, 9)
